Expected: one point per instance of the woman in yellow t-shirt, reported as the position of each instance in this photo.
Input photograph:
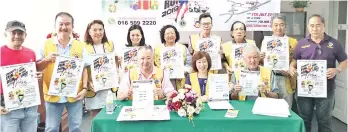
(96, 42)
(135, 38)
(169, 37)
(198, 79)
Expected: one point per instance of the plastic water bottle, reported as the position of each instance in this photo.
(110, 103)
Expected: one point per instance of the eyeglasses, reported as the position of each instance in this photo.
(318, 50)
(206, 24)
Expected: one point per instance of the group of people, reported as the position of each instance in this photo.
(274, 84)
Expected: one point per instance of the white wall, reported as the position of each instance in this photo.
(39, 17)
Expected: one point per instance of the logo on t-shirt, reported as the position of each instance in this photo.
(330, 45)
(76, 55)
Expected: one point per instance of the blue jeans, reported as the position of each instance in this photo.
(54, 116)
(324, 107)
(23, 120)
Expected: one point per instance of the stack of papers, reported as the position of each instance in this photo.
(160, 112)
(220, 105)
(231, 113)
(271, 107)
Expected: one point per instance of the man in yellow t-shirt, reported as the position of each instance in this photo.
(286, 83)
(62, 44)
(206, 25)
(146, 71)
(267, 86)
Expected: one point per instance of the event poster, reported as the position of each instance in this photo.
(173, 61)
(103, 71)
(249, 80)
(66, 77)
(212, 47)
(20, 86)
(276, 52)
(130, 57)
(312, 79)
(237, 57)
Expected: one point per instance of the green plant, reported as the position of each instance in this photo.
(300, 3)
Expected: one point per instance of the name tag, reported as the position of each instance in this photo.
(305, 46)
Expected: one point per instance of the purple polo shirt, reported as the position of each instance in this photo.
(331, 50)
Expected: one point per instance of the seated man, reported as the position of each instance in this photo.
(266, 87)
(146, 71)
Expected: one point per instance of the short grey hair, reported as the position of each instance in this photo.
(280, 16)
(146, 48)
(322, 19)
(250, 48)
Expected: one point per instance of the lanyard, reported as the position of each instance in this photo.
(204, 84)
(96, 51)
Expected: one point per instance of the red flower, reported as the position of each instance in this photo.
(173, 95)
(177, 105)
(49, 36)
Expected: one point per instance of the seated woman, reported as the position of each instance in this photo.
(197, 80)
(267, 86)
(146, 71)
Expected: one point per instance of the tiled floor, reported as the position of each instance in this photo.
(338, 126)
(86, 123)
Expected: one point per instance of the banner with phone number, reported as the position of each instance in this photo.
(130, 12)
(184, 14)
(256, 14)
(119, 15)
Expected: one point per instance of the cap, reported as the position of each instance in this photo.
(15, 25)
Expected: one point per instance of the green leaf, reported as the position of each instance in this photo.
(300, 3)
